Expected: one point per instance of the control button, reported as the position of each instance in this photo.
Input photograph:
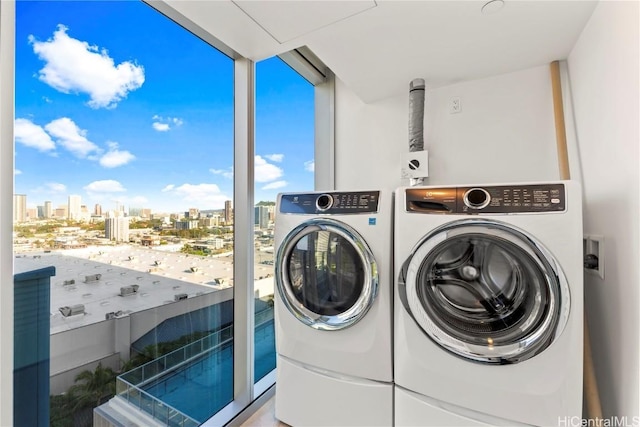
(324, 202)
(477, 198)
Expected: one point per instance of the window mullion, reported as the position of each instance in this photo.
(7, 84)
(325, 134)
(244, 82)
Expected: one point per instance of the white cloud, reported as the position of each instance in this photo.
(227, 173)
(275, 185)
(115, 157)
(140, 200)
(32, 135)
(163, 124)
(310, 166)
(17, 172)
(207, 195)
(74, 66)
(168, 188)
(106, 186)
(265, 171)
(160, 127)
(71, 137)
(55, 187)
(275, 157)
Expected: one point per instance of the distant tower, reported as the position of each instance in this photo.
(262, 216)
(97, 210)
(228, 212)
(48, 209)
(75, 207)
(117, 228)
(19, 207)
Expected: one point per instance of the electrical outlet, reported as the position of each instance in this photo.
(454, 105)
(593, 246)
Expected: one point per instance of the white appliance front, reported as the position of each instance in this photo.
(333, 308)
(488, 303)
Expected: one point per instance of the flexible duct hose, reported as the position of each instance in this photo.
(416, 115)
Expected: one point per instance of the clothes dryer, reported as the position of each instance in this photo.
(488, 304)
(333, 308)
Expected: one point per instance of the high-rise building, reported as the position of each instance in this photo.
(19, 207)
(145, 213)
(61, 212)
(211, 221)
(262, 216)
(194, 213)
(97, 210)
(272, 213)
(228, 212)
(117, 228)
(75, 207)
(48, 209)
(186, 224)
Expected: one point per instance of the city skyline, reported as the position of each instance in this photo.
(146, 119)
(46, 210)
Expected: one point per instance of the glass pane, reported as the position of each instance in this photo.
(314, 264)
(284, 146)
(477, 286)
(123, 212)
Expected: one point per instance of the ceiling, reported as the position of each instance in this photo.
(377, 47)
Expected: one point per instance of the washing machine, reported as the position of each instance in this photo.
(488, 321)
(333, 308)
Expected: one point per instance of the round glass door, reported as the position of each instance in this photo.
(326, 274)
(486, 291)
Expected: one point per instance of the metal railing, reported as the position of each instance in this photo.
(170, 361)
(128, 385)
(153, 406)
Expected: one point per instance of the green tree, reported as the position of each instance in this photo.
(61, 410)
(93, 388)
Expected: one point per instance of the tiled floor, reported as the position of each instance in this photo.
(264, 417)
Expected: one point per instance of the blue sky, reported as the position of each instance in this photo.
(117, 104)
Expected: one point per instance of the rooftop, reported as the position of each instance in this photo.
(159, 275)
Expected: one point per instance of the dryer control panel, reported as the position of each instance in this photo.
(493, 199)
(336, 203)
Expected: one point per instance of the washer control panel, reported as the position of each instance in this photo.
(336, 203)
(528, 198)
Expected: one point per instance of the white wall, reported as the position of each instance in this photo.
(504, 133)
(604, 75)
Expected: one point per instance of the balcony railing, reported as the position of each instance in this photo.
(129, 385)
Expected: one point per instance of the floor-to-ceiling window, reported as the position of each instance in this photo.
(129, 175)
(124, 141)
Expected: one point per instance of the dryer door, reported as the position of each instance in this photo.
(485, 291)
(326, 274)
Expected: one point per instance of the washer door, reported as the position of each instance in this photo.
(485, 291)
(326, 274)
